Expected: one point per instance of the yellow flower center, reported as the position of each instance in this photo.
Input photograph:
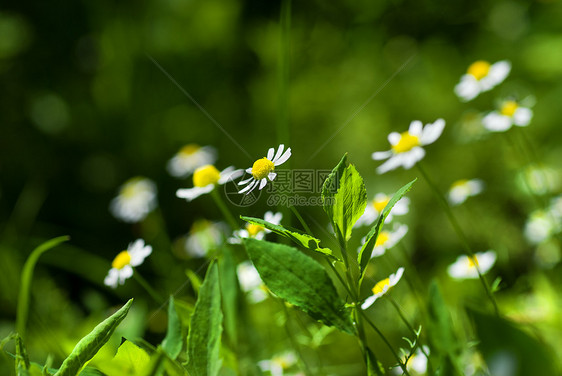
(379, 205)
(383, 237)
(509, 108)
(129, 191)
(262, 168)
(459, 183)
(253, 229)
(472, 262)
(479, 69)
(379, 287)
(200, 225)
(206, 175)
(407, 142)
(189, 149)
(121, 260)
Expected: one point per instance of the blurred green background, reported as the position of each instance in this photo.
(89, 99)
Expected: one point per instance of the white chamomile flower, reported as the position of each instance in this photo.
(465, 266)
(256, 231)
(189, 158)
(205, 178)
(407, 146)
(556, 207)
(279, 363)
(250, 282)
(510, 113)
(136, 198)
(263, 169)
(123, 263)
(387, 239)
(462, 189)
(540, 226)
(481, 76)
(382, 287)
(416, 364)
(377, 205)
(204, 236)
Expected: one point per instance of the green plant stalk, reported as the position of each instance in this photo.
(145, 285)
(301, 220)
(25, 282)
(224, 209)
(292, 338)
(377, 330)
(460, 233)
(410, 328)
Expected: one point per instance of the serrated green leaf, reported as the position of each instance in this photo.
(130, 360)
(173, 342)
(203, 341)
(26, 277)
(304, 240)
(371, 239)
(300, 280)
(504, 344)
(88, 346)
(347, 204)
(229, 290)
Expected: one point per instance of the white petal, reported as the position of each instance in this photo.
(272, 176)
(486, 260)
(396, 277)
(380, 155)
(242, 182)
(249, 187)
(412, 157)
(230, 173)
(283, 158)
(112, 278)
(431, 132)
(394, 138)
(278, 154)
(270, 153)
(263, 182)
(415, 128)
(125, 273)
(522, 116)
(369, 302)
(498, 72)
(138, 255)
(496, 122)
(249, 170)
(192, 193)
(468, 88)
(392, 163)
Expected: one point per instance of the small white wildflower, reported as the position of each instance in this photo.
(387, 239)
(136, 198)
(256, 231)
(407, 147)
(263, 169)
(279, 363)
(123, 263)
(510, 113)
(416, 364)
(204, 236)
(481, 76)
(465, 267)
(205, 178)
(540, 226)
(462, 189)
(250, 282)
(377, 205)
(382, 287)
(189, 158)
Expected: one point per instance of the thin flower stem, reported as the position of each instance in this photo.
(301, 220)
(398, 359)
(460, 233)
(224, 209)
(292, 337)
(145, 285)
(339, 277)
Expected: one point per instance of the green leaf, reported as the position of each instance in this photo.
(194, 279)
(229, 290)
(348, 204)
(304, 240)
(22, 360)
(505, 344)
(443, 339)
(25, 284)
(88, 346)
(300, 280)
(130, 360)
(371, 239)
(173, 341)
(373, 366)
(204, 339)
